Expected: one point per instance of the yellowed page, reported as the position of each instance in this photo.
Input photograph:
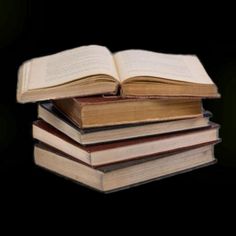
(70, 65)
(186, 68)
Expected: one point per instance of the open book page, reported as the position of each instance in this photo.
(70, 65)
(186, 68)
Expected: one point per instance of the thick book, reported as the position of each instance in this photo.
(99, 111)
(54, 117)
(92, 70)
(119, 176)
(103, 154)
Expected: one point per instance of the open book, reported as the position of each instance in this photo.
(92, 70)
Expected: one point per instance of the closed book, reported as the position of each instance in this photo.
(102, 154)
(119, 176)
(98, 111)
(55, 118)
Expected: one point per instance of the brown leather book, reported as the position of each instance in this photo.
(102, 154)
(123, 175)
(54, 117)
(100, 111)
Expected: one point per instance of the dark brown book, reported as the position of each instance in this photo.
(100, 111)
(101, 154)
(54, 117)
(120, 176)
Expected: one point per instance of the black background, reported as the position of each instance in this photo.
(36, 28)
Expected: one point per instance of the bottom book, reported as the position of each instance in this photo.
(125, 174)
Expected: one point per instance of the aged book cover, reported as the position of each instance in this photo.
(104, 153)
(63, 123)
(97, 111)
(119, 176)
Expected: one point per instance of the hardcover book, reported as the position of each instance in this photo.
(103, 154)
(92, 70)
(118, 176)
(55, 118)
(97, 111)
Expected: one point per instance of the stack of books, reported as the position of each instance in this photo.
(112, 121)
